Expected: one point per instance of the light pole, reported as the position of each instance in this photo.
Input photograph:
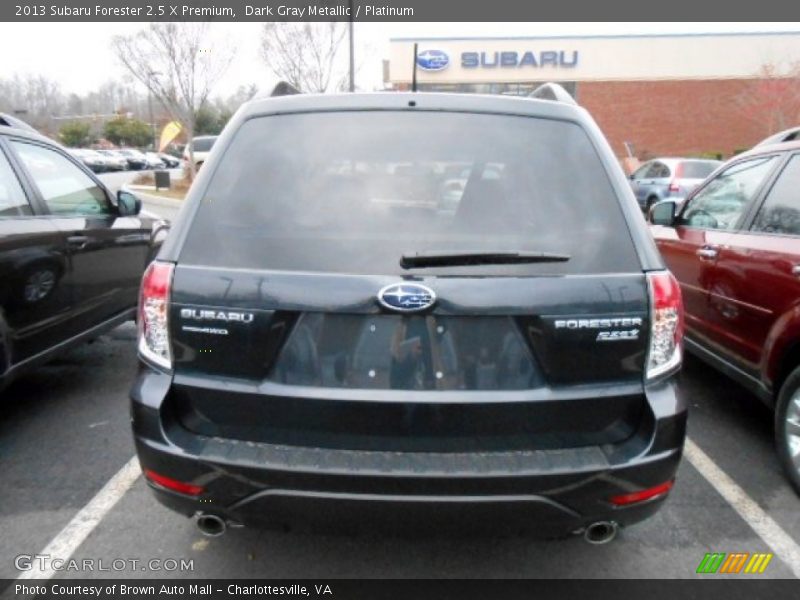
(352, 52)
(150, 77)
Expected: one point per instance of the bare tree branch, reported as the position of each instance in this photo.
(773, 100)
(309, 56)
(178, 64)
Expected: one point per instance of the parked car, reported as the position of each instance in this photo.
(319, 344)
(172, 162)
(735, 249)
(137, 161)
(201, 147)
(787, 135)
(95, 161)
(154, 161)
(71, 253)
(114, 160)
(663, 178)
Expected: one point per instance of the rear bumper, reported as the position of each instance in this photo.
(544, 492)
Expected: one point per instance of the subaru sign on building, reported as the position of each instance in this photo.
(432, 60)
(662, 94)
(511, 58)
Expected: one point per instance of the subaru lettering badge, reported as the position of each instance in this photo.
(433, 60)
(406, 297)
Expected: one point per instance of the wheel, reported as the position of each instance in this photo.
(787, 428)
(38, 284)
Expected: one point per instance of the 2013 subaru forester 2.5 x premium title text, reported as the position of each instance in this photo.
(329, 335)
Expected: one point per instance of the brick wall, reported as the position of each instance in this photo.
(690, 117)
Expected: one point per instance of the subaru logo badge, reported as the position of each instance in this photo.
(433, 60)
(406, 297)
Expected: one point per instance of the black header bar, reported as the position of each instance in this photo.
(394, 10)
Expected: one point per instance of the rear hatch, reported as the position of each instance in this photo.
(334, 290)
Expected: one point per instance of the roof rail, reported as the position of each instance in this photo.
(554, 92)
(9, 121)
(281, 88)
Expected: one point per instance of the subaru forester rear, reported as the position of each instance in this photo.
(398, 308)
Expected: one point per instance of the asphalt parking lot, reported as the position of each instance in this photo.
(64, 433)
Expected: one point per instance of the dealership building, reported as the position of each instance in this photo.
(682, 94)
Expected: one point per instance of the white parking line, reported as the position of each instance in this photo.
(78, 529)
(765, 526)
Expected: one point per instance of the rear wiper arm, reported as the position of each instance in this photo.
(422, 259)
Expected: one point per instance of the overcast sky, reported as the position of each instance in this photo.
(78, 55)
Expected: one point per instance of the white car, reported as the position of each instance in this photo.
(95, 161)
(201, 146)
(154, 161)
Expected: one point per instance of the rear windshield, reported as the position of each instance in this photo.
(202, 144)
(698, 169)
(352, 192)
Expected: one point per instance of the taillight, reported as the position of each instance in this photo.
(642, 495)
(173, 484)
(666, 324)
(673, 185)
(154, 342)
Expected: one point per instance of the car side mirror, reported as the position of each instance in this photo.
(663, 213)
(128, 204)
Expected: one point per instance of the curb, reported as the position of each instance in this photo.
(156, 200)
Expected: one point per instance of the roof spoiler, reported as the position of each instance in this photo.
(283, 88)
(553, 92)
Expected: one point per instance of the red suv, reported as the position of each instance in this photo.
(735, 249)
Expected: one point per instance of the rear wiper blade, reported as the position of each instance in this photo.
(450, 259)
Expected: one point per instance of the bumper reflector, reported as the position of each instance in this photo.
(172, 484)
(642, 495)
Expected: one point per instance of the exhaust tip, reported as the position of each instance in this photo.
(211, 525)
(601, 532)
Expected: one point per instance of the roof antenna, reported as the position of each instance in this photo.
(414, 71)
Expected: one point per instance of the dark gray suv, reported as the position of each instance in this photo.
(322, 344)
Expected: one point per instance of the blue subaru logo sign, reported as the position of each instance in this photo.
(406, 297)
(433, 60)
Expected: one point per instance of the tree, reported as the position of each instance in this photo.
(207, 121)
(123, 131)
(178, 64)
(773, 100)
(34, 98)
(309, 56)
(75, 134)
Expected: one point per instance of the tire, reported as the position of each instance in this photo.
(787, 428)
